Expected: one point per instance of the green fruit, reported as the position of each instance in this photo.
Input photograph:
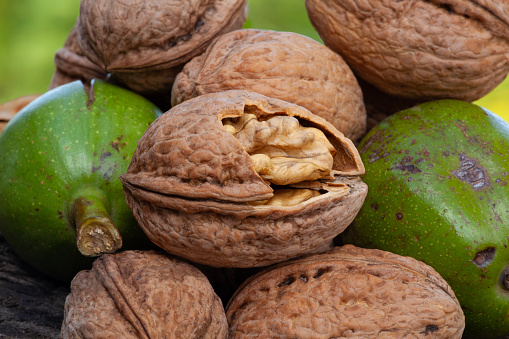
(61, 158)
(438, 191)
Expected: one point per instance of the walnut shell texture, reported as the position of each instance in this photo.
(191, 186)
(140, 36)
(72, 65)
(347, 292)
(422, 50)
(136, 294)
(282, 65)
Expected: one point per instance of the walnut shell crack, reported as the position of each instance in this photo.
(347, 292)
(134, 38)
(195, 191)
(282, 65)
(135, 294)
(423, 50)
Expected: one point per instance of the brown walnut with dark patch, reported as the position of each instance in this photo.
(145, 43)
(282, 65)
(136, 294)
(347, 292)
(422, 50)
(238, 179)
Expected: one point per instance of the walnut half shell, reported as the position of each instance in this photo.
(348, 292)
(237, 179)
(136, 294)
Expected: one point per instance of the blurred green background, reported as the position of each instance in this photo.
(32, 30)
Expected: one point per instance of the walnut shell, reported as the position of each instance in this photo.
(348, 292)
(72, 65)
(195, 191)
(142, 36)
(423, 50)
(282, 65)
(135, 294)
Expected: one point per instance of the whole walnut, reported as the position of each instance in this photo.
(348, 292)
(136, 294)
(282, 65)
(423, 50)
(145, 43)
(238, 179)
(72, 65)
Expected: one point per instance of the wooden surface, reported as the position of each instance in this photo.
(31, 305)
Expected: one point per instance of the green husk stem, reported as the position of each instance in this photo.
(96, 233)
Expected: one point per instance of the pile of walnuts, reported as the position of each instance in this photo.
(253, 168)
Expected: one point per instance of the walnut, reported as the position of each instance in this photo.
(238, 179)
(10, 108)
(136, 294)
(348, 292)
(421, 50)
(145, 43)
(72, 65)
(282, 65)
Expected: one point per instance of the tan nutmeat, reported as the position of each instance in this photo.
(136, 294)
(345, 293)
(282, 65)
(145, 43)
(238, 179)
(422, 50)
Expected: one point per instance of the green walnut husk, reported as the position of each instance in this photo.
(438, 191)
(61, 200)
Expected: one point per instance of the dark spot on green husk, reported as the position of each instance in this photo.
(117, 144)
(484, 258)
(472, 172)
(104, 155)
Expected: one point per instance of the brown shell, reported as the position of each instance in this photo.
(421, 50)
(72, 65)
(10, 108)
(282, 65)
(348, 292)
(145, 35)
(136, 294)
(190, 182)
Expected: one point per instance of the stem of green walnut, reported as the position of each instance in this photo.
(96, 233)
